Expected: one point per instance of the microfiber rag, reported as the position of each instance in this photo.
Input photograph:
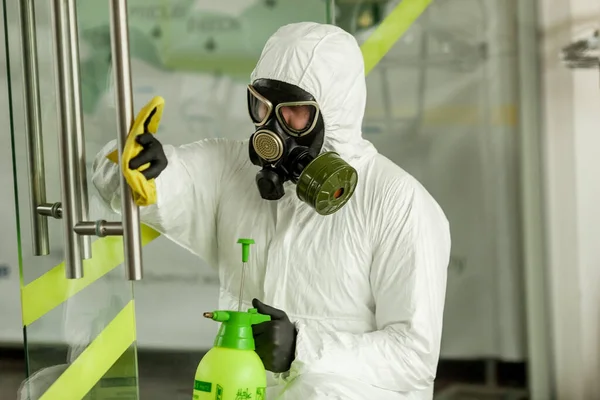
(147, 120)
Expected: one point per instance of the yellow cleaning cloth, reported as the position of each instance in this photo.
(147, 120)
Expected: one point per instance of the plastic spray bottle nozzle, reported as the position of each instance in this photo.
(219, 316)
(236, 327)
(245, 248)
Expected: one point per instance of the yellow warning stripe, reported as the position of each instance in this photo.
(391, 30)
(95, 361)
(52, 289)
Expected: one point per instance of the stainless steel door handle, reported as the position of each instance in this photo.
(40, 209)
(70, 138)
(74, 206)
(119, 37)
(33, 131)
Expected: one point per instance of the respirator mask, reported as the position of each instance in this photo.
(286, 144)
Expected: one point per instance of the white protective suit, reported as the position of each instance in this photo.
(364, 286)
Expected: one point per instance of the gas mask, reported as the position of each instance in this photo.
(286, 144)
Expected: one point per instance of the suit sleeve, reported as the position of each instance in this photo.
(188, 191)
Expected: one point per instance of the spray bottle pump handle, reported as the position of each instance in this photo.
(245, 248)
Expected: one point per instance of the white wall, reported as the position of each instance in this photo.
(572, 166)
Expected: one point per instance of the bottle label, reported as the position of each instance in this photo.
(201, 390)
(261, 393)
(203, 386)
(250, 394)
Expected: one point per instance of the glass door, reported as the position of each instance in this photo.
(198, 56)
(68, 97)
(76, 283)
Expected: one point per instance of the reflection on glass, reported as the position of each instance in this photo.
(120, 381)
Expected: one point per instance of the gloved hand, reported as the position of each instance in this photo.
(275, 340)
(152, 153)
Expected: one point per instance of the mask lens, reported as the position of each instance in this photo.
(258, 107)
(298, 119)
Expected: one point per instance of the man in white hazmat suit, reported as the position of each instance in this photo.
(352, 267)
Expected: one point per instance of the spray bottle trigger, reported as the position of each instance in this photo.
(256, 318)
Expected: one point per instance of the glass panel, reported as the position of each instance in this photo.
(432, 110)
(63, 334)
(197, 55)
(442, 104)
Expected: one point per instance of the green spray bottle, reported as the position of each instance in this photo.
(232, 370)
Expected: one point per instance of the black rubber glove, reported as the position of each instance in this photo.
(152, 153)
(275, 340)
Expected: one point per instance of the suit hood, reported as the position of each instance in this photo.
(326, 61)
